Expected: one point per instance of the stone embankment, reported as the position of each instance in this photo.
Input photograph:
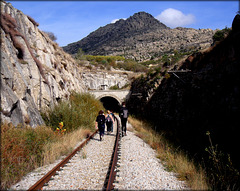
(139, 168)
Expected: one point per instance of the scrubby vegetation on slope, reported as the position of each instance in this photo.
(119, 62)
(172, 158)
(106, 62)
(188, 106)
(24, 148)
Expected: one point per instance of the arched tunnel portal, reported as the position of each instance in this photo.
(110, 103)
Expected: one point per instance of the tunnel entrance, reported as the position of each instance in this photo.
(110, 103)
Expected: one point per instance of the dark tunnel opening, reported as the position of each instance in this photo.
(110, 103)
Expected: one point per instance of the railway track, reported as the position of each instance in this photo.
(111, 172)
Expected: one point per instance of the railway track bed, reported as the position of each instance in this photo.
(90, 168)
(140, 169)
(87, 169)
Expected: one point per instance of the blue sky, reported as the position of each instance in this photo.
(71, 21)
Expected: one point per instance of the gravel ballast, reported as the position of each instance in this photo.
(139, 168)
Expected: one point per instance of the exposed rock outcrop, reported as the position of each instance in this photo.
(35, 71)
(101, 80)
(206, 98)
(141, 37)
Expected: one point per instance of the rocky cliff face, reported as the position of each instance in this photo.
(141, 37)
(102, 80)
(206, 98)
(35, 71)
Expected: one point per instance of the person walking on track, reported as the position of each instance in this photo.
(123, 114)
(109, 121)
(100, 124)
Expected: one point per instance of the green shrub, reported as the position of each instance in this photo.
(107, 61)
(115, 87)
(90, 58)
(132, 65)
(221, 34)
(22, 147)
(80, 111)
(104, 62)
(80, 55)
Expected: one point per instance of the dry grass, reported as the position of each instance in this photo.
(173, 159)
(25, 149)
(21, 151)
(65, 145)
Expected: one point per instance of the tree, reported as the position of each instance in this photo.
(80, 55)
(221, 34)
(51, 35)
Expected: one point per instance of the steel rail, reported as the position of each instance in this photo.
(39, 184)
(113, 164)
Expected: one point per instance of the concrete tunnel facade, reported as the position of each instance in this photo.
(111, 99)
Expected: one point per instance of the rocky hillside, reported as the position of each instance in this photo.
(202, 95)
(35, 71)
(102, 80)
(141, 37)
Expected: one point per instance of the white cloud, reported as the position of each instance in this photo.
(175, 18)
(115, 20)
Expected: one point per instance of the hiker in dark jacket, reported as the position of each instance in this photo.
(123, 114)
(100, 124)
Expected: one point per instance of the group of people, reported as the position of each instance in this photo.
(109, 120)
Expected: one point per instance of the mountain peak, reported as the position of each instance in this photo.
(142, 35)
(146, 21)
(142, 14)
(138, 24)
